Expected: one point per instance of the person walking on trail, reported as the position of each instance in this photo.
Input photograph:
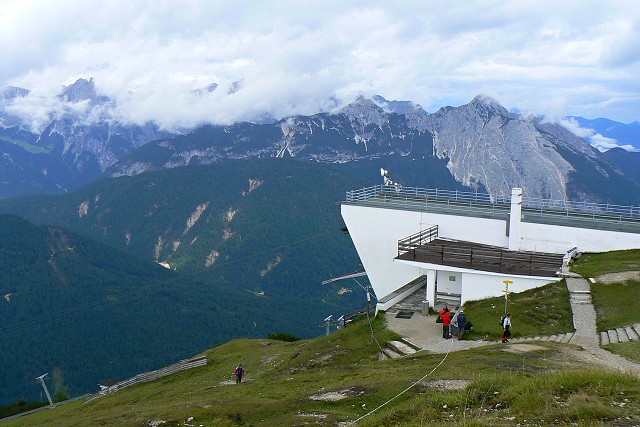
(239, 373)
(462, 324)
(446, 321)
(506, 328)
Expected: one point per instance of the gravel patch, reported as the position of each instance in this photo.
(522, 348)
(444, 385)
(334, 396)
(619, 277)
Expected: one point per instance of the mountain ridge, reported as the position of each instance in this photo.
(485, 147)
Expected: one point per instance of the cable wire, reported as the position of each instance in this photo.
(408, 388)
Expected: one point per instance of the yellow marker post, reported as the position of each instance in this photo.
(506, 294)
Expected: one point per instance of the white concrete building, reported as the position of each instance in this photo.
(465, 246)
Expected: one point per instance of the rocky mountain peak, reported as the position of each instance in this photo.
(486, 104)
(9, 93)
(80, 90)
(399, 107)
(364, 112)
(235, 87)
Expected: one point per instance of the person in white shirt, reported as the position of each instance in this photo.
(506, 326)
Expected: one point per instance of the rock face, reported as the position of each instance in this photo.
(484, 146)
(487, 145)
(361, 130)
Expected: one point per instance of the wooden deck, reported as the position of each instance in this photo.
(480, 257)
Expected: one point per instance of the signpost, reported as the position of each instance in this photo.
(506, 294)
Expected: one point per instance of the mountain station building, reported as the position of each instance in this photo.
(449, 247)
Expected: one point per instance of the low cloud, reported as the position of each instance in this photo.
(597, 141)
(149, 56)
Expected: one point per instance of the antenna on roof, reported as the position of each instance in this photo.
(384, 173)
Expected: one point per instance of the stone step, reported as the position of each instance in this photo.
(633, 335)
(567, 337)
(416, 347)
(400, 348)
(622, 335)
(388, 353)
(617, 335)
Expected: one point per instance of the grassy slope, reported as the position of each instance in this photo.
(616, 304)
(505, 387)
(543, 384)
(536, 312)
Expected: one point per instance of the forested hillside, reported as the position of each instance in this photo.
(248, 244)
(84, 312)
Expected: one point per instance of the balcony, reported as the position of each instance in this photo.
(426, 247)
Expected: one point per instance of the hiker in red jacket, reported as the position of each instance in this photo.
(446, 321)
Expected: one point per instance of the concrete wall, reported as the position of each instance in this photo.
(559, 239)
(480, 285)
(479, 230)
(375, 233)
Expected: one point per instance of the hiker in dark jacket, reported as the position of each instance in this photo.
(462, 323)
(239, 373)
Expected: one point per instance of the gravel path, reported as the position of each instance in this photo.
(586, 335)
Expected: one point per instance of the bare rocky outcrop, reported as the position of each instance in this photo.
(487, 146)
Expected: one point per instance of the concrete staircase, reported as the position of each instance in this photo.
(411, 303)
(624, 334)
(563, 338)
(397, 349)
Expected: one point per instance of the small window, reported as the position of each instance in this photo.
(452, 278)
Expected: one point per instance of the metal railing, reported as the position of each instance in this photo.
(366, 193)
(151, 376)
(421, 238)
(416, 198)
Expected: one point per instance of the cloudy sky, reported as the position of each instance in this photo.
(555, 58)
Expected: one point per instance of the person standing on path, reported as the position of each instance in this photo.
(462, 324)
(454, 323)
(446, 321)
(239, 373)
(506, 328)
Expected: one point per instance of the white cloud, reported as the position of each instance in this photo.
(598, 141)
(294, 56)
